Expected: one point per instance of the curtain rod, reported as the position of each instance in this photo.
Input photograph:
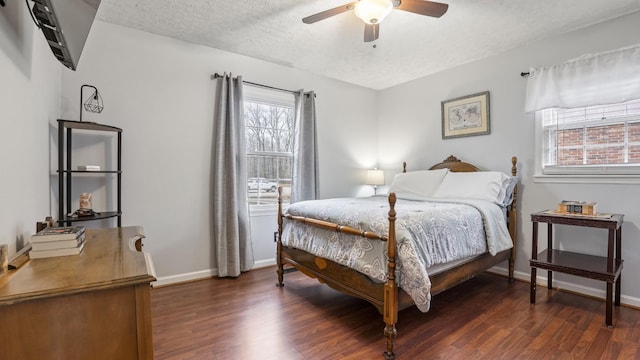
(216, 75)
(524, 74)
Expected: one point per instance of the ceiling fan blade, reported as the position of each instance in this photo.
(371, 32)
(422, 7)
(328, 13)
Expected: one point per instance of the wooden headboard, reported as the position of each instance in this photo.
(454, 164)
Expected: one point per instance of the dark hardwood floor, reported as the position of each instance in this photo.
(485, 318)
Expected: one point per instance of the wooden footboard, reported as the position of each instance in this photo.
(386, 297)
(333, 274)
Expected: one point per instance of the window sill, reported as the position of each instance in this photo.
(587, 179)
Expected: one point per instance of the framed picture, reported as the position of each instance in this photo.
(466, 116)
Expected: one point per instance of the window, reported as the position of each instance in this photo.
(586, 124)
(269, 122)
(601, 139)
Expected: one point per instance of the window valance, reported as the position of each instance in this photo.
(592, 79)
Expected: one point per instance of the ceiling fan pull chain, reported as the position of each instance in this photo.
(375, 38)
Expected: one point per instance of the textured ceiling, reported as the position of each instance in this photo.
(410, 46)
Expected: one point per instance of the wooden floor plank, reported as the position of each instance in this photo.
(485, 318)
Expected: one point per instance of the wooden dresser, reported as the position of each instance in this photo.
(96, 305)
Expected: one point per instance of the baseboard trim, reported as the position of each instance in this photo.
(204, 274)
(264, 263)
(187, 277)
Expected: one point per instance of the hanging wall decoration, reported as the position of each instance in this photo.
(466, 116)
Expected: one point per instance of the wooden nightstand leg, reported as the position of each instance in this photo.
(618, 283)
(534, 256)
(609, 313)
(549, 246)
(532, 298)
(618, 258)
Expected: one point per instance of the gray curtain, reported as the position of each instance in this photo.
(305, 151)
(231, 224)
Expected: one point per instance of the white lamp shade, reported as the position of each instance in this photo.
(372, 11)
(375, 177)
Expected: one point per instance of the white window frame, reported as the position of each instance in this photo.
(588, 174)
(267, 96)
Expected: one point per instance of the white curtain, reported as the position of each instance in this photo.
(231, 224)
(305, 151)
(593, 79)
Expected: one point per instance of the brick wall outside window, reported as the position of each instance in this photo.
(599, 135)
(634, 142)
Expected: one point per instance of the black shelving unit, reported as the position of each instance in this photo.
(65, 171)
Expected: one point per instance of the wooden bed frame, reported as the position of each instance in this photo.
(387, 297)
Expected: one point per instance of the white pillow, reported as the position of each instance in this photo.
(417, 184)
(483, 185)
(508, 195)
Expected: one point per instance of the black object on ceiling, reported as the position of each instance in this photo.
(65, 24)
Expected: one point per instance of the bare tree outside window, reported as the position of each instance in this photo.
(269, 135)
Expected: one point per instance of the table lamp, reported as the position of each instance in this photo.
(375, 177)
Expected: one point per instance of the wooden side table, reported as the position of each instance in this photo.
(608, 269)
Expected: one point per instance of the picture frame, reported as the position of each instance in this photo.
(466, 116)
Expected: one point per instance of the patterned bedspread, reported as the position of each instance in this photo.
(427, 233)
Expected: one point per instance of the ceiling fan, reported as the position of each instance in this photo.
(373, 11)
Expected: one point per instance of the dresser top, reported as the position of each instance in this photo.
(108, 260)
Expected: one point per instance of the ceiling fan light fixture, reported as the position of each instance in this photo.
(373, 11)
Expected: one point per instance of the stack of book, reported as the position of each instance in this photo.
(57, 241)
(576, 207)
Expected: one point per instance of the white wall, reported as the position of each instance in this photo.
(407, 108)
(29, 98)
(159, 91)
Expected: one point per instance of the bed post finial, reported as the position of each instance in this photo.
(391, 288)
(514, 167)
(404, 166)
